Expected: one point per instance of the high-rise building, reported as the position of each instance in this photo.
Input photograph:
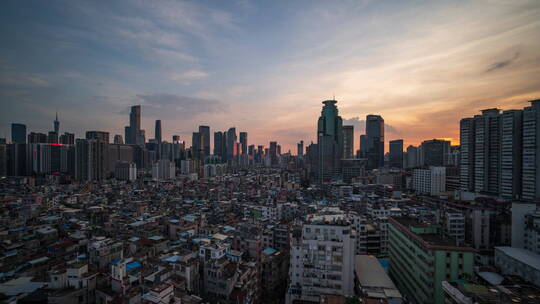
(348, 142)
(273, 154)
(531, 152)
(511, 154)
(435, 152)
(157, 131)
(487, 152)
(118, 139)
(231, 143)
(300, 147)
(205, 140)
(17, 160)
(48, 158)
(91, 159)
(244, 142)
(3, 159)
(57, 125)
(499, 153)
(421, 259)
(197, 149)
(52, 138)
(431, 181)
(218, 145)
(329, 142)
(481, 152)
(163, 170)
(466, 159)
(99, 135)
(135, 117)
(375, 141)
(37, 138)
(67, 138)
(125, 171)
(322, 259)
(133, 133)
(18, 133)
(362, 151)
(396, 153)
(412, 157)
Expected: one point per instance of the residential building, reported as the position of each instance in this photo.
(421, 259)
(322, 259)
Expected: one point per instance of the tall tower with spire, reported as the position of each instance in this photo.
(56, 125)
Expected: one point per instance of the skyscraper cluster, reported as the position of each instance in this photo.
(96, 158)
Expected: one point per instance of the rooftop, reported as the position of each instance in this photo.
(413, 227)
(523, 255)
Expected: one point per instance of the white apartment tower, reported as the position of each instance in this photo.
(322, 259)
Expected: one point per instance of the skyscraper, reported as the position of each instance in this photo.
(329, 141)
(244, 142)
(99, 135)
(133, 133)
(52, 138)
(68, 138)
(499, 153)
(412, 156)
(273, 153)
(135, 117)
(531, 152)
(435, 152)
(363, 146)
(18, 133)
(300, 147)
(231, 143)
(396, 153)
(375, 141)
(118, 139)
(511, 153)
(487, 151)
(57, 125)
(205, 139)
(157, 132)
(37, 138)
(348, 142)
(466, 154)
(218, 145)
(91, 159)
(197, 146)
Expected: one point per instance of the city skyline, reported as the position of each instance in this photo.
(272, 58)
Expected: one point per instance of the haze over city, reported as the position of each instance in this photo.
(265, 66)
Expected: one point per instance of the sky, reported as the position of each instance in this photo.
(265, 66)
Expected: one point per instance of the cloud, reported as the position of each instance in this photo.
(187, 77)
(391, 129)
(501, 64)
(359, 124)
(23, 81)
(160, 105)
